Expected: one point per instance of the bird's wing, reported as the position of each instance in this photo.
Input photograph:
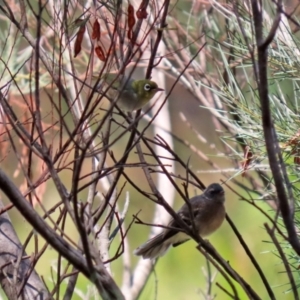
(184, 214)
(196, 204)
(175, 237)
(169, 232)
(116, 81)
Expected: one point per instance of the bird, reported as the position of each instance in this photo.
(132, 94)
(208, 212)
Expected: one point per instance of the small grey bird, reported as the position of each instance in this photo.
(208, 211)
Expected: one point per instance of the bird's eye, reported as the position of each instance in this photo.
(147, 87)
(211, 191)
(215, 192)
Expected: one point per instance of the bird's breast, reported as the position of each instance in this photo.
(128, 100)
(211, 221)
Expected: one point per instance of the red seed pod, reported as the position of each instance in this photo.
(96, 34)
(131, 17)
(142, 12)
(129, 34)
(78, 41)
(100, 53)
(297, 160)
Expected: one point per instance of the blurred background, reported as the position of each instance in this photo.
(213, 113)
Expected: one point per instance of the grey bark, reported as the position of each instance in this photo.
(14, 270)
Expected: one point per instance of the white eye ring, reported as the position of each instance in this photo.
(147, 87)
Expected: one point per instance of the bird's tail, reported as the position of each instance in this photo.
(153, 248)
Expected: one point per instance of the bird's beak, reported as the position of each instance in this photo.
(222, 193)
(159, 90)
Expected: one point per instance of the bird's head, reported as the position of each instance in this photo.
(145, 89)
(215, 191)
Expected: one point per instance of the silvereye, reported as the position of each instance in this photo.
(132, 94)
